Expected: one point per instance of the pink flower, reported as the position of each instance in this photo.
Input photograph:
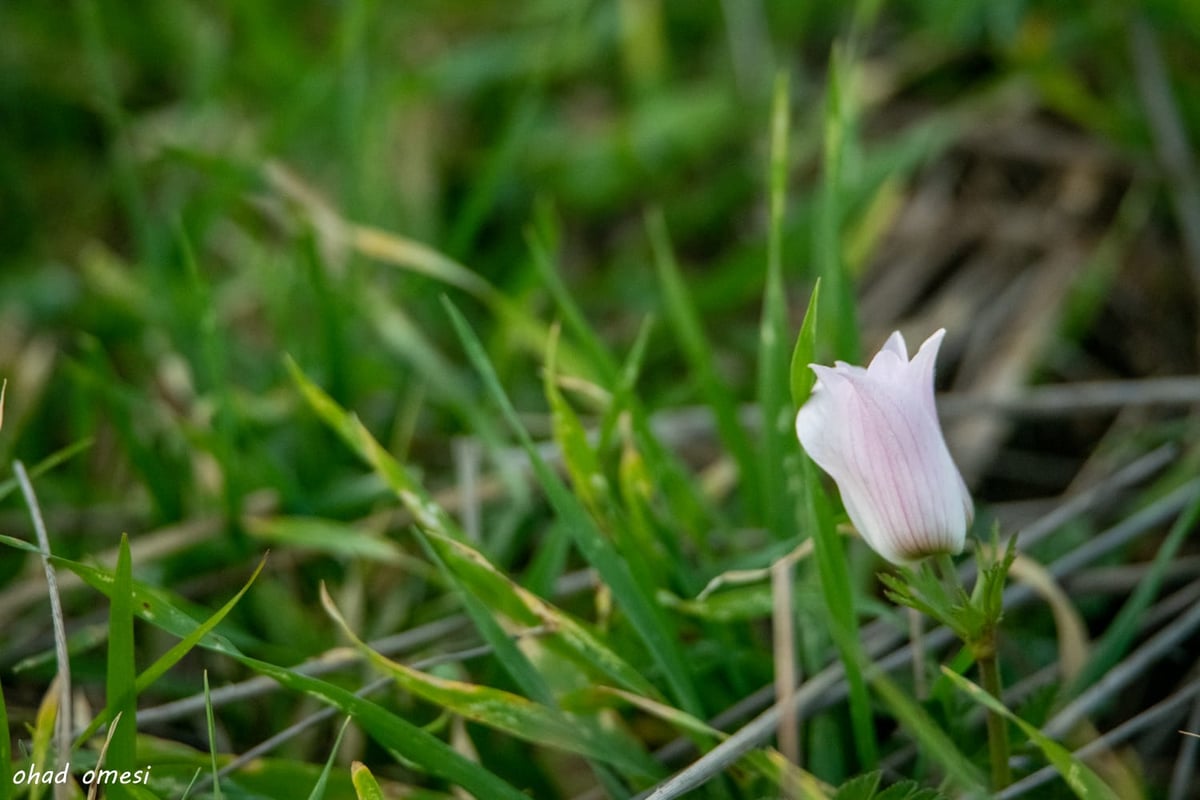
(876, 432)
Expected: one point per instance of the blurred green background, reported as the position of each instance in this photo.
(191, 190)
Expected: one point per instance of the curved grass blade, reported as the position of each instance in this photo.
(802, 379)
(469, 568)
(932, 739)
(154, 609)
(769, 763)
(408, 741)
(506, 712)
(9, 486)
(524, 607)
(1084, 782)
(644, 615)
(681, 311)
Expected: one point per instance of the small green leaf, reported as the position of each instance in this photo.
(861, 788)
(803, 354)
(365, 785)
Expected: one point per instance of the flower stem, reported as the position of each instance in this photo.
(997, 727)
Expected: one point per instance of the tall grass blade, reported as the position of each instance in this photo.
(777, 443)
(153, 608)
(839, 604)
(318, 791)
(1084, 782)
(644, 615)
(932, 740)
(211, 724)
(840, 326)
(119, 688)
(682, 314)
(507, 712)
(393, 732)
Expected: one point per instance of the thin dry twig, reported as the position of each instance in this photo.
(1170, 138)
(1128, 670)
(786, 673)
(62, 725)
(1156, 714)
(1185, 766)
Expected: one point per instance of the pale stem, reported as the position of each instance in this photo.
(916, 635)
(786, 669)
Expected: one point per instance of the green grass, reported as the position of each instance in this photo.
(264, 264)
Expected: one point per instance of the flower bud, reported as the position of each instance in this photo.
(876, 432)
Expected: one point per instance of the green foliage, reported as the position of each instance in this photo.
(193, 191)
(1084, 782)
(120, 685)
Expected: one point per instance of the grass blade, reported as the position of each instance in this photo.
(644, 615)
(318, 791)
(598, 354)
(9, 486)
(120, 680)
(212, 738)
(802, 378)
(684, 318)
(840, 325)
(932, 739)
(43, 733)
(1085, 783)
(365, 785)
(5, 744)
(777, 440)
(506, 712)
(468, 568)
(410, 742)
(840, 607)
(1124, 627)
(152, 608)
